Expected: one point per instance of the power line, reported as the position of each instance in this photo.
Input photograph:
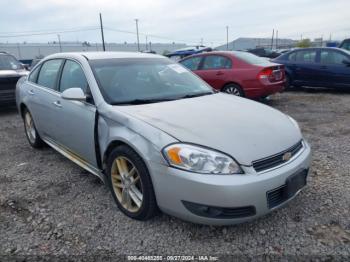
(48, 33)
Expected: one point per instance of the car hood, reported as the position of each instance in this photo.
(242, 128)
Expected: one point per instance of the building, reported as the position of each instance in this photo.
(244, 43)
(29, 51)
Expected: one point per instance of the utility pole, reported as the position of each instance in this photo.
(146, 43)
(150, 45)
(103, 38)
(137, 32)
(227, 38)
(59, 42)
(273, 34)
(276, 39)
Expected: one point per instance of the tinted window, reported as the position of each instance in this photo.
(73, 76)
(216, 62)
(307, 56)
(122, 81)
(48, 73)
(332, 57)
(34, 75)
(192, 63)
(346, 45)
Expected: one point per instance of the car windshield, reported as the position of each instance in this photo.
(250, 58)
(8, 62)
(145, 80)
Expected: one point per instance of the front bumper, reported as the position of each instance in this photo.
(173, 187)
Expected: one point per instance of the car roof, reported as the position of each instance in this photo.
(103, 55)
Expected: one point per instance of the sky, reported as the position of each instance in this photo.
(179, 21)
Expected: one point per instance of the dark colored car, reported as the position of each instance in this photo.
(184, 52)
(317, 67)
(264, 52)
(238, 73)
(345, 44)
(10, 71)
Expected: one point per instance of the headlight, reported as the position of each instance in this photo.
(200, 160)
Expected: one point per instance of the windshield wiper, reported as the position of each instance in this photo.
(195, 95)
(141, 101)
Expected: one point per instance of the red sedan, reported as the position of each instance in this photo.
(238, 73)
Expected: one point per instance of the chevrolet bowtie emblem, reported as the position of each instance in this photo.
(287, 156)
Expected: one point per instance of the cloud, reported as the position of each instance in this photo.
(176, 20)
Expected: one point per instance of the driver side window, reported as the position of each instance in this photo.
(73, 76)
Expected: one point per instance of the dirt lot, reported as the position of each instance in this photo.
(48, 205)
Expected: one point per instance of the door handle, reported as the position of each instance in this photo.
(219, 73)
(31, 92)
(57, 104)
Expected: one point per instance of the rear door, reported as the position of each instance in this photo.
(335, 72)
(42, 95)
(77, 119)
(304, 68)
(215, 70)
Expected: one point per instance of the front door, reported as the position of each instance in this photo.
(336, 73)
(76, 120)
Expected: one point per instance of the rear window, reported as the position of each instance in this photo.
(250, 58)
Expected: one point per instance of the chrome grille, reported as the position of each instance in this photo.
(276, 160)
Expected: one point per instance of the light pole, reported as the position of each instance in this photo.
(137, 33)
(227, 38)
(59, 42)
(103, 38)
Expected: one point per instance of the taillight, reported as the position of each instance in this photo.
(271, 74)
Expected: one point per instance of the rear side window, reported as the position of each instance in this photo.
(48, 73)
(192, 63)
(34, 75)
(332, 57)
(216, 62)
(307, 56)
(73, 76)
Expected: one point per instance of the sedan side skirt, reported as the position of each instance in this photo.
(76, 159)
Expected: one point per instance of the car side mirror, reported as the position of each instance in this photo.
(346, 62)
(74, 93)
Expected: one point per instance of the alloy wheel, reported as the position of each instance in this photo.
(30, 128)
(233, 91)
(127, 184)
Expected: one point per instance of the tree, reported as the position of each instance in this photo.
(304, 43)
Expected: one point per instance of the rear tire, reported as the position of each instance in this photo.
(30, 130)
(287, 84)
(130, 184)
(233, 89)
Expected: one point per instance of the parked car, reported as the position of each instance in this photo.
(264, 52)
(187, 51)
(238, 73)
(10, 71)
(317, 67)
(155, 133)
(345, 44)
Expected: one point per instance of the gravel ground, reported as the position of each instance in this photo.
(48, 205)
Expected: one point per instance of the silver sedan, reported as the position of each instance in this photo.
(161, 138)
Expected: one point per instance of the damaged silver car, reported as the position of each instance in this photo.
(161, 138)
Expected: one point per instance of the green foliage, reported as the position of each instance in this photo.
(304, 43)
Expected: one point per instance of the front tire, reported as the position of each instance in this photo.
(233, 89)
(131, 184)
(30, 130)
